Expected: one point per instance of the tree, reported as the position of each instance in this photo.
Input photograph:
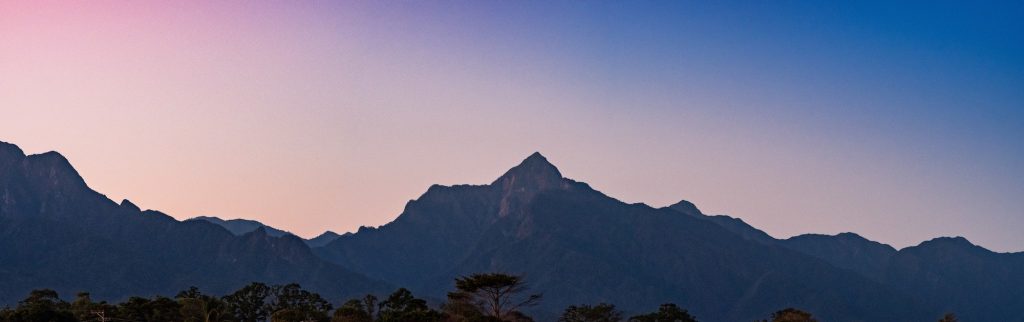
(401, 306)
(41, 306)
(459, 308)
(85, 309)
(792, 315)
(494, 294)
(667, 312)
(198, 310)
(82, 305)
(248, 304)
(370, 302)
(162, 309)
(352, 311)
(289, 315)
(602, 312)
(300, 304)
(516, 316)
(949, 317)
(191, 293)
(6, 314)
(159, 309)
(199, 307)
(133, 309)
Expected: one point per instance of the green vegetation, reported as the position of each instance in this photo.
(491, 297)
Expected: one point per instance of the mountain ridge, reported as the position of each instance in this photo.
(240, 226)
(536, 229)
(572, 242)
(56, 232)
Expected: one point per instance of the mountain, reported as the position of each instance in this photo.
(56, 232)
(242, 226)
(945, 274)
(571, 242)
(734, 225)
(577, 245)
(957, 276)
(323, 239)
(846, 250)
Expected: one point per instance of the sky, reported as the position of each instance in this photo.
(898, 121)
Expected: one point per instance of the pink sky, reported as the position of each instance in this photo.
(313, 117)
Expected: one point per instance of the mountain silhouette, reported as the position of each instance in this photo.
(578, 245)
(944, 274)
(958, 276)
(571, 242)
(323, 239)
(56, 232)
(244, 226)
(734, 225)
(847, 250)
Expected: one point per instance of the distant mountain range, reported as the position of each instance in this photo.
(56, 232)
(571, 242)
(241, 227)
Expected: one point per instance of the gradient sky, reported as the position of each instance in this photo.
(901, 122)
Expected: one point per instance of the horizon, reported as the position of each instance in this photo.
(537, 153)
(898, 122)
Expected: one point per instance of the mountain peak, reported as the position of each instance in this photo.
(957, 241)
(535, 170)
(127, 204)
(851, 236)
(686, 207)
(323, 239)
(10, 154)
(536, 156)
(54, 170)
(10, 149)
(946, 246)
(537, 163)
(328, 234)
(240, 227)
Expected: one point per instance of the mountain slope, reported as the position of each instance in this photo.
(946, 274)
(578, 245)
(323, 239)
(572, 242)
(735, 225)
(56, 232)
(241, 226)
(957, 276)
(847, 250)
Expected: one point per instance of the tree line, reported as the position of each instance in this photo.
(490, 297)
